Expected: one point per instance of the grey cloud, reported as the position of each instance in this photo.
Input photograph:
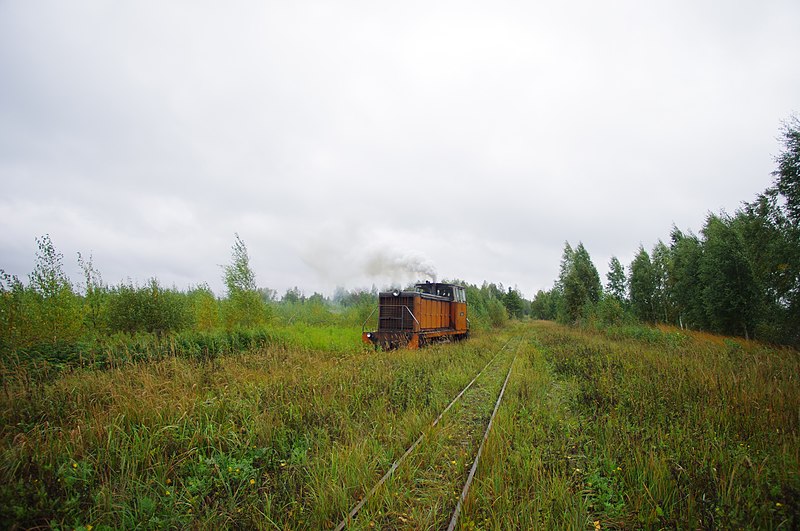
(475, 138)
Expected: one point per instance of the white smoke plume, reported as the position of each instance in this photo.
(385, 263)
(344, 254)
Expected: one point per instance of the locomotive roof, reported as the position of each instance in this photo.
(431, 290)
(438, 284)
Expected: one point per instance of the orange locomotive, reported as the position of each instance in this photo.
(433, 311)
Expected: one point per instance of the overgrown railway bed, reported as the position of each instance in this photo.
(622, 427)
(428, 489)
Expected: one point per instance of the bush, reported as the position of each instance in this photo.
(150, 308)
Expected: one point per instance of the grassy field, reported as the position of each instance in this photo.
(619, 428)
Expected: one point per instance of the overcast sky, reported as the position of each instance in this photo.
(348, 141)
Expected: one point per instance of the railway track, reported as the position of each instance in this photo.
(429, 483)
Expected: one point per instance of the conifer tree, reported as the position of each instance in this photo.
(616, 280)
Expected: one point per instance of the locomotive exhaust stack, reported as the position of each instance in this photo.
(432, 312)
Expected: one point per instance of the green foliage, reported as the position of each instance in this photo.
(95, 297)
(742, 277)
(204, 308)
(514, 303)
(238, 275)
(545, 304)
(729, 292)
(490, 305)
(772, 244)
(687, 255)
(607, 312)
(496, 313)
(57, 307)
(579, 283)
(643, 287)
(663, 305)
(149, 308)
(617, 284)
(245, 307)
(12, 308)
(787, 176)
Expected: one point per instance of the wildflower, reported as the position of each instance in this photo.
(167, 492)
(283, 463)
(74, 465)
(597, 524)
(252, 482)
(169, 481)
(89, 527)
(778, 504)
(453, 462)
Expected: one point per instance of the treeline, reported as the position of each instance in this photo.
(49, 317)
(740, 276)
(493, 305)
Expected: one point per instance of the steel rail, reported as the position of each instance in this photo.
(352, 514)
(465, 490)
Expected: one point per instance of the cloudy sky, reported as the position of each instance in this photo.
(347, 142)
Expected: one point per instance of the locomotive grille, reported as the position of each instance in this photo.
(395, 313)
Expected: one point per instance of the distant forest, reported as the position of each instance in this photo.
(740, 276)
(50, 318)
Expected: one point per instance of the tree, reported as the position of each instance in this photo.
(642, 286)
(687, 290)
(293, 295)
(95, 295)
(513, 303)
(245, 306)
(545, 305)
(616, 280)
(205, 308)
(729, 292)
(238, 274)
(12, 312)
(662, 295)
(788, 173)
(565, 267)
(580, 282)
(59, 310)
(770, 230)
(772, 246)
(496, 313)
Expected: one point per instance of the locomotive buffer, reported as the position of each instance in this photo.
(432, 312)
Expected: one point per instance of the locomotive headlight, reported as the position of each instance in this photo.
(396, 293)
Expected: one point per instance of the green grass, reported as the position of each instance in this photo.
(690, 432)
(629, 428)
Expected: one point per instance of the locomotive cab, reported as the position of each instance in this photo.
(434, 311)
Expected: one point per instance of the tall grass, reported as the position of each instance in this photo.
(617, 428)
(646, 430)
(284, 435)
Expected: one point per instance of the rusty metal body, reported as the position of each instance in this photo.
(433, 311)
